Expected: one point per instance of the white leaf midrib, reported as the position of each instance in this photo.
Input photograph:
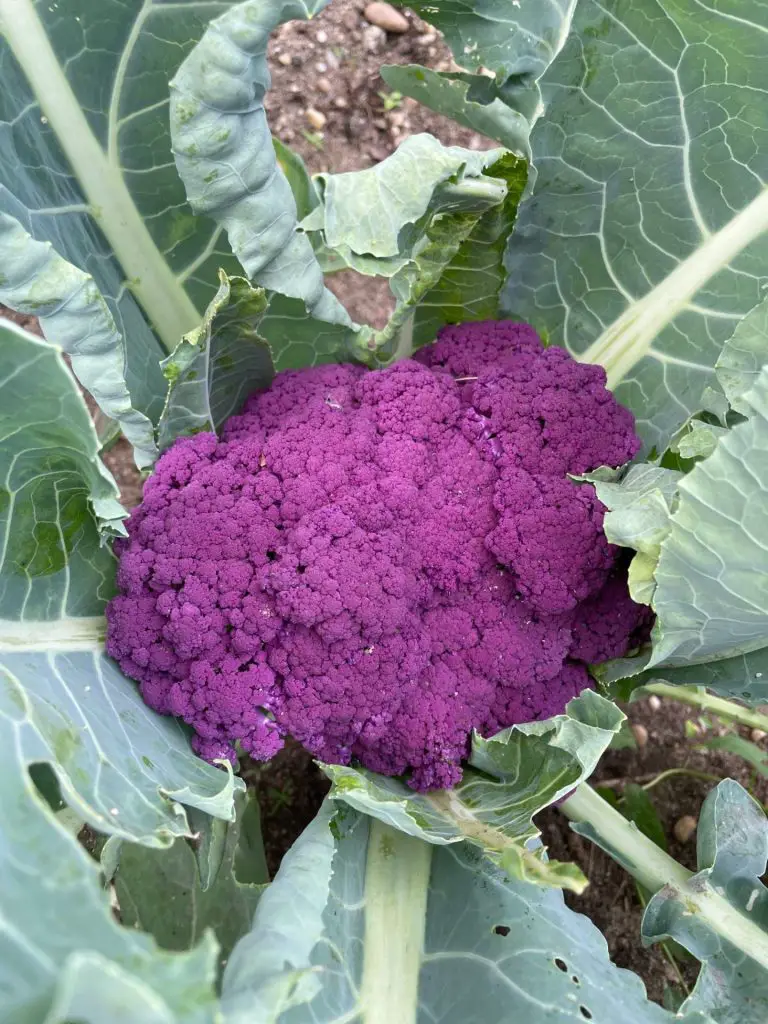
(52, 636)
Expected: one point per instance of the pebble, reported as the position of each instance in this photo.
(322, 37)
(758, 734)
(641, 734)
(386, 17)
(374, 38)
(324, 85)
(684, 828)
(285, 59)
(341, 103)
(316, 119)
(654, 702)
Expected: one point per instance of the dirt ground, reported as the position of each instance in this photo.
(329, 103)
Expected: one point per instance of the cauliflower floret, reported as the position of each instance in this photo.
(379, 562)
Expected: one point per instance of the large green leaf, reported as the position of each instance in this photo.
(120, 767)
(226, 159)
(640, 247)
(514, 775)
(711, 596)
(361, 917)
(73, 314)
(732, 849)
(85, 161)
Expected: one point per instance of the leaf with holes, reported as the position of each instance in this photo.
(491, 948)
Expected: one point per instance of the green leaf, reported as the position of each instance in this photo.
(122, 767)
(73, 314)
(85, 158)
(639, 507)
(638, 807)
(215, 367)
(512, 777)
(379, 211)
(514, 41)
(643, 243)
(743, 356)
(305, 192)
(710, 598)
(472, 100)
(471, 944)
(225, 157)
(699, 440)
(163, 893)
(119, 767)
(732, 846)
(470, 286)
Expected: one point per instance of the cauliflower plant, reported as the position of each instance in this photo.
(379, 562)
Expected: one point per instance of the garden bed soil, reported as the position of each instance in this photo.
(330, 67)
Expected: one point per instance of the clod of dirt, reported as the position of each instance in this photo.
(385, 16)
(684, 828)
(641, 734)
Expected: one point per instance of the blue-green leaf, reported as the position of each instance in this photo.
(472, 100)
(470, 944)
(643, 243)
(225, 156)
(711, 598)
(120, 767)
(732, 848)
(85, 162)
(73, 314)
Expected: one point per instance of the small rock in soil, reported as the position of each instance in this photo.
(324, 85)
(316, 119)
(285, 59)
(385, 16)
(654, 702)
(374, 38)
(641, 735)
(684, 828)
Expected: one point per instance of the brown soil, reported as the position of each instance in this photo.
(331, 66)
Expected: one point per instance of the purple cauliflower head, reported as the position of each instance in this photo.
(379, 562)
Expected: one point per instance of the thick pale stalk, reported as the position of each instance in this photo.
(396, 884)
(85, 634)
(700, 698)
(629, 338)
(656, 870)
(168, 307)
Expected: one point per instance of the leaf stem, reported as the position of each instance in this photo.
(652, 867)
(396, 883)
(698, 697)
